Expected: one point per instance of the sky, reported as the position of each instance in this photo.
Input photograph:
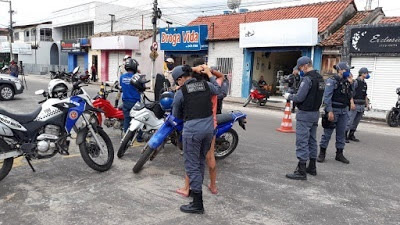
(178, 11)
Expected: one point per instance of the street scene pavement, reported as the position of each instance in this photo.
(251, 182)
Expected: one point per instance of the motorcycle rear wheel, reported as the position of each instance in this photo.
(90, 151)
(223, 153)
(125, 143)
(391, 118)
(5, 167)
(247, 101)
(143, 159)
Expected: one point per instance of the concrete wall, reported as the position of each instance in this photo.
(74, 15)
(145, 63)
(229, 49)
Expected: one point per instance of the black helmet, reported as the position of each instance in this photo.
(139, 81)
(131, 65)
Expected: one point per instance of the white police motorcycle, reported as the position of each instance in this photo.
(46, 131)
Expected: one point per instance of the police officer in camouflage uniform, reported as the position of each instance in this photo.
(192, 103)
(308, 100)
(338, 97)
(361, 101)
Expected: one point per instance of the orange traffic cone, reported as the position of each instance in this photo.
(286, 125)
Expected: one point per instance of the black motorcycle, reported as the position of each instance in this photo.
(393, 116)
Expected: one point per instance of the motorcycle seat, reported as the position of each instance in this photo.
(224, 118)
(22, 118)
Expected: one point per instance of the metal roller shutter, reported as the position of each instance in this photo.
(384, 79)
(81, 63)
(114, 60)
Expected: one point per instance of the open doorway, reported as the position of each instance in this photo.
(273, 65)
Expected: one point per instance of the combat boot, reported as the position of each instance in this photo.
(312, 168)
(340, 157)
(322, 154)
(196, 206)
(347, 137)
(300, 172)
(352, 137)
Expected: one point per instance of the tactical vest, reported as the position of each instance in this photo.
(313, 100)
(196, 100)
(342, 93)
(361, 92)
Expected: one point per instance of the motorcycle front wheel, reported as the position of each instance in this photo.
(247, 101)
(126, 142)
(226, 144)
(392, 118)
(143, 159)
(92, 154)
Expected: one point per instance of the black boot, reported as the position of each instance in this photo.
(352, 137)
(312, 168)
(196, 206)
(340, 157)
(322, 154)
(300, 172)
(347, 137)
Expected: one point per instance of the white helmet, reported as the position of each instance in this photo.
(170, 60)
(58, 89)
(127, 57)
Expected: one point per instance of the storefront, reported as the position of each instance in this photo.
(112, 51)
(184, 44)
(271, 49)
(376, 47)
(77, 50)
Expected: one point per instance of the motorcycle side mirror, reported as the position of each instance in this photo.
(39, 92)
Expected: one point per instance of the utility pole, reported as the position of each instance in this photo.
(112, 22)
(156, 15)
(10, 29)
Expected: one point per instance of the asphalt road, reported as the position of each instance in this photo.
(252, 184)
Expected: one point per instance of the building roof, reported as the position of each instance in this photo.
(336, 39)
(142, 34)
(226, 27)
(394, 19)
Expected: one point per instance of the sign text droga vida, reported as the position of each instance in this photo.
(188, 37)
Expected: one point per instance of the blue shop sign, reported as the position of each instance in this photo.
(191, 38)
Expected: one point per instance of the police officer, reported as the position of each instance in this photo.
(192, 102)
(361, 101)
(130, 94)
(338, 97)
(308, 100)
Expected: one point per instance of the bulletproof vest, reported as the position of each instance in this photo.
(361, 92)
(342, 92)
(313, 100)
(196, 100)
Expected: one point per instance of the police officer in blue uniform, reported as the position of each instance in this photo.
(308, 100)
(130, 94)
(361, 101)
(338, 97)
(192, 102)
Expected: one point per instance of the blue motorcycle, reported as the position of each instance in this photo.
(226, 141)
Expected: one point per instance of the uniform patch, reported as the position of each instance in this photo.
(302, 84)
(73, 115)
(195, 87)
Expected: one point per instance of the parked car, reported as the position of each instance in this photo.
(10, 86)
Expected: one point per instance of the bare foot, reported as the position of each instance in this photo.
(183, 191)
(213, 190)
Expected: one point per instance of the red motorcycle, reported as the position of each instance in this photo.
(114, 115)
(257, 95)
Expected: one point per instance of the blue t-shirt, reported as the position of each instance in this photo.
(129, 92)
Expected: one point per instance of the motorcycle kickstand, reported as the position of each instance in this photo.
(30, 164)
